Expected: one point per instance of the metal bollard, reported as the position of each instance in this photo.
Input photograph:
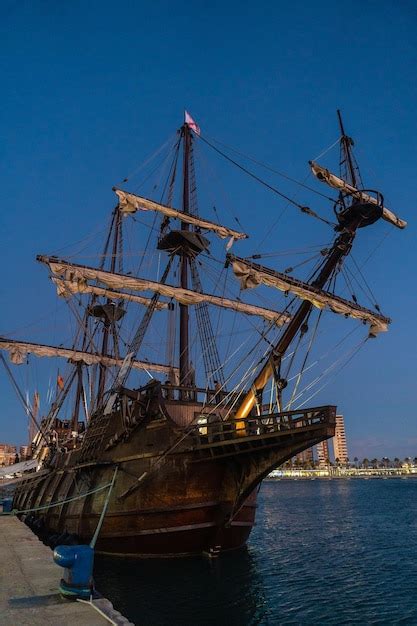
(78, 561)
(6, 504)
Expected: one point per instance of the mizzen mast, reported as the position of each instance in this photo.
(109, 313)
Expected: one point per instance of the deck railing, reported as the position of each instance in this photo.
(198, 394)
(210, 429)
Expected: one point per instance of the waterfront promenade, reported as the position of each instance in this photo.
(343, 472)
(29, 581)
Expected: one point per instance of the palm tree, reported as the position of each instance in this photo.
(355, 460)
(396, 462)
(374, 463)
(365, 463)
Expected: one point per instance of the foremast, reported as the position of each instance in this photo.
(346, 153)
(272, 367)
(356, 209)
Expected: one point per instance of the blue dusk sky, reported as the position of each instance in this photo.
(90, 89)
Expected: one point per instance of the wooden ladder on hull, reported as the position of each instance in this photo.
(94, 440)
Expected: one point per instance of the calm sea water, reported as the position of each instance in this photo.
(323, 552)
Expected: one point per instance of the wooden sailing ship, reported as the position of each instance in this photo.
(190, 446)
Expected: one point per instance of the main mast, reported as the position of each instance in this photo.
(184, 325)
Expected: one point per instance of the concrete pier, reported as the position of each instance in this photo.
(29, 581)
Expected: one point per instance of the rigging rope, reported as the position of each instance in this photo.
(327, 369)
(212, 363)
(348, 283)
(303, 209)
(225, 198)
(211, 359)
(159, 166)
(368, 296)
(104, 510)
(297, 251)
(365, 281)
(274, 171)
(300, 374)
(21, 397)
(256, 361)
(148, 160)
(59, 503)
(327, 150)
(354, 352)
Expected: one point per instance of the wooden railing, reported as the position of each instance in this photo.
(198, 394)
(210, 429)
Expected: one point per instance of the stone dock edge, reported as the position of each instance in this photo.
(29, 581)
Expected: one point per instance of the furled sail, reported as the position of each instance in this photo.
(18, 351)
(338, 183)
(72, 278)
(66, 289)
(130, 203)
(251, 275)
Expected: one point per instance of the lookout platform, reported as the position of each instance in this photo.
(29, 581)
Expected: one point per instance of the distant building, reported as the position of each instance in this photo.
(24, 452)
(305, 457)
(322, 450)
(7, 454)
(339, 441)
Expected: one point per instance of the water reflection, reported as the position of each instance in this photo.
(323, 552)
(184, 591)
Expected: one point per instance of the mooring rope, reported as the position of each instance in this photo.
(65, 501)
(103, 512)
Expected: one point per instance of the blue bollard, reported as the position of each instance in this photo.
(6, 504)
(78, 561)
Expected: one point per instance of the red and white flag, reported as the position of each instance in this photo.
(191, 123)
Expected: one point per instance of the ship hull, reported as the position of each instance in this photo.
(184, 533)
(175, 518)
(198, 498)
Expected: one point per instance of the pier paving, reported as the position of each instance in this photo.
(29, 581)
